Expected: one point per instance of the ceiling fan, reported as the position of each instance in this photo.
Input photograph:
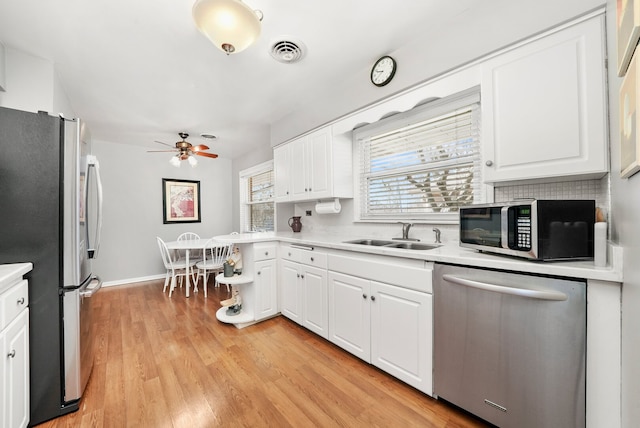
(185, 151)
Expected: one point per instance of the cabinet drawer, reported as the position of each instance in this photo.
(313, 258)
(264, 251)
(12, 302)
(289, 253)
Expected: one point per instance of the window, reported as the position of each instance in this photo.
(422, 164)
(256, 198)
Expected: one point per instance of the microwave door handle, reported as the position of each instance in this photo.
(521, 292)
(93, 162)
(504, 227)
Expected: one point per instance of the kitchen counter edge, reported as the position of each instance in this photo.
(450, 253)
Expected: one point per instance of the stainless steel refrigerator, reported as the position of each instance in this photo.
(50, 214)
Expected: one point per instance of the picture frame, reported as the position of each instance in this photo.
(628, 31)
(629, 118)
(180, 201)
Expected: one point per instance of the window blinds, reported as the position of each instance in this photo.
(260, 188)
(423, 162)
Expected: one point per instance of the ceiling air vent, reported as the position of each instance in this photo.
(287, 51)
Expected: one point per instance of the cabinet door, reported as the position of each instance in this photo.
(544, 107)
(349, 314)
(282, 172)
(315, 311)
(265, 289)
(15, 353)
(298, 187)
(401, 334)
(318, 159)
(291, 291)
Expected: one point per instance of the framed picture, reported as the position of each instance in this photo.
(628, 31)
(629, 144)
(180, 201)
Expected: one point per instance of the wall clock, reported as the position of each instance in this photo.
(383, 71)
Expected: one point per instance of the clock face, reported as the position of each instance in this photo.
(383, 71)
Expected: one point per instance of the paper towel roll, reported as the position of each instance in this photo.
(328, 207)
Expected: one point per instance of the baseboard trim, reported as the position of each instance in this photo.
(132, 280)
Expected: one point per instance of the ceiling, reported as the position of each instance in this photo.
(139, 71)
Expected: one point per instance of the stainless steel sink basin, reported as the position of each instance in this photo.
(374, 242)
(412, 246)
(404, 245)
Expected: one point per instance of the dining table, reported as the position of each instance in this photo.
(189, 245)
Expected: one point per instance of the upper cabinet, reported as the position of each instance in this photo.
(544, 107)
(315, 166)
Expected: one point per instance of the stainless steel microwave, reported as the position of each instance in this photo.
(533, 229)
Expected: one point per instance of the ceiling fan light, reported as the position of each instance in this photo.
(230, 25)
(175, 161)
(192, 161)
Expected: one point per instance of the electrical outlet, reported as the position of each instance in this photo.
(308, 213)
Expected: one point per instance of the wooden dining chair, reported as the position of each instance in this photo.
(213, 257)
(176, 268)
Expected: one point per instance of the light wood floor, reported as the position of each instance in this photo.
(167, 362)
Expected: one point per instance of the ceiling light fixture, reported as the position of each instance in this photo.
(231, 25)
(175, 161)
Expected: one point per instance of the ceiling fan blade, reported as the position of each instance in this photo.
(209, 155)
(160, 142)
(200, 148)
(157, 151)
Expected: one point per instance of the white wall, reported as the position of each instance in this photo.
(625, 211)
(133, 216)
(438, 50)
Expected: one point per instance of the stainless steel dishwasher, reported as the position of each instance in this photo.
(510, 348)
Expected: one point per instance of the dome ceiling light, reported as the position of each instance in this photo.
(230, 25)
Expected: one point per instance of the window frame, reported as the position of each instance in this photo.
(422, 112)
(245, 205)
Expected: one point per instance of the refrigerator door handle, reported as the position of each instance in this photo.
(522, 292)
(93, 163)
(92, 287)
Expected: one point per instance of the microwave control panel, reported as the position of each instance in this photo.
(521, 221)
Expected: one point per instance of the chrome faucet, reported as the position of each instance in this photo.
(437, 231)
(405, 230)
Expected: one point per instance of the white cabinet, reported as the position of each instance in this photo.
(304, 288)
(544, 107)
(14, 346)
(388, 324)
(257, 285)
(265, 286)
(315, 166)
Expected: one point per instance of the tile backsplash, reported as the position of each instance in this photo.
(584, 189)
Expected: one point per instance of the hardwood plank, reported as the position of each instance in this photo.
(168, 362)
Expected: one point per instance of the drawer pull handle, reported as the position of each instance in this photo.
(258, 272)
(311, 258)
(373, 298)
(302, 276)
(12, 354)
(266, 253)
(21, 301)
(364, 296)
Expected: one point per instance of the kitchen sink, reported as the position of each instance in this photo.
(412, 246)
(405, 245)
(374, 242)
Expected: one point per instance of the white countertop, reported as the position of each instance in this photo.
(10, 272)
(449, 253)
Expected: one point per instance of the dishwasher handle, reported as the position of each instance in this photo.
(521, 292)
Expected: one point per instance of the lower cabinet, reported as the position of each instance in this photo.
(14, 342)
(304, 294)
(14, 346)
(264, 282)
(383, 324)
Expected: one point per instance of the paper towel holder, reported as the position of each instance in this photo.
(329, 207)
